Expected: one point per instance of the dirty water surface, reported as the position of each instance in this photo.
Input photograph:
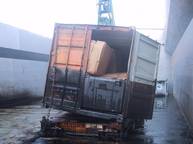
(21, 125)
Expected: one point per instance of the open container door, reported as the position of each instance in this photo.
(143, 67)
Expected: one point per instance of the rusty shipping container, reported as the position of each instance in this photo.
(127, 95)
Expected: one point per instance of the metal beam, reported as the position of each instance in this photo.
(105, 13)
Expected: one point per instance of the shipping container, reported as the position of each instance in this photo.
(125, 90)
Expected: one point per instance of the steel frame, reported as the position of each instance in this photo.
(105, 13)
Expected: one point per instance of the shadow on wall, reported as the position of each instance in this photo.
(18, 98)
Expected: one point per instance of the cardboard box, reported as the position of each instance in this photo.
(99, 58)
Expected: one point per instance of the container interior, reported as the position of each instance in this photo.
(120, 42)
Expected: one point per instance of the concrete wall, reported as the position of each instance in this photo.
(181, 13)
(12, 37)
(165, 58)
(179, 45)
(23, 62)
(182, 73)
(179, 17)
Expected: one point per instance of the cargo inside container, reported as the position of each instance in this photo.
(120, 42)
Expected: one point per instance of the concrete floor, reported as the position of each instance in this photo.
(19, 124)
